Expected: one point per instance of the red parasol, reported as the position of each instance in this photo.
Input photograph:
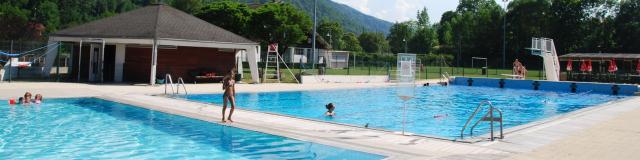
(638, 67)
(612, 66)
(589, 66)
(583, 66)
(569, 65)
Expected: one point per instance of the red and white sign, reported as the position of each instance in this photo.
(273, 47)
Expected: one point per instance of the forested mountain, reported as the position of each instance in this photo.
(351, 19)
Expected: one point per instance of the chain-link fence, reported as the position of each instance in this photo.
(429, 66)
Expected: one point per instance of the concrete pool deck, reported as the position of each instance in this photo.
(608, 131)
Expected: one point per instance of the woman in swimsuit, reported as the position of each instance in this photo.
(228, 85)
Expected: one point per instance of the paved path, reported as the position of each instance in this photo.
(615, 138)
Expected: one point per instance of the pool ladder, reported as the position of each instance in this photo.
(445, 76)
(169, 83)
(489, 116)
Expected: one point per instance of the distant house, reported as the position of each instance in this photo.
(323, 55)
(328, 58)
(146, 43)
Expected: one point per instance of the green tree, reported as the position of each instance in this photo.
(334, 30)
(189, 6)
(423, 17)
(399, 36)
(351, 42)
(47, 13)
(232, 16)
(373, 42)
(566, 21)
(281, 23)
(13, 22)
(424, 40)
(598, 29)
(627, 24)
(527, 19)
(445, 32)
(425, 37)
(476, 30)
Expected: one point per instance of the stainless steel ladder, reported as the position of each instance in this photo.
(489, 116)
(169, 83)
(445, 76)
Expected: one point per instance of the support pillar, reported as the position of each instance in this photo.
(253, 54)
(154, 62)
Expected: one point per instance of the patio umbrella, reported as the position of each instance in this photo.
(612, 66)
(569, 65)
(638, 67)
(583, 66)
(589, 66)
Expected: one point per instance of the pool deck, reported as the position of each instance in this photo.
(609, 131)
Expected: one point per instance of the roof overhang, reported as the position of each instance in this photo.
(161, 41)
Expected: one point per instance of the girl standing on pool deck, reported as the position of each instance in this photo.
(228, 85)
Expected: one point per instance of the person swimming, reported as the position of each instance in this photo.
(330, 110)
(38, 99)
(26, 99)
(440, 116)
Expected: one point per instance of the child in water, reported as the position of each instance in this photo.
(330, 109)
(38, 99)
(26, 99)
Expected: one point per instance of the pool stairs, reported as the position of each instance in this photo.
(489, 116)
(175, 88)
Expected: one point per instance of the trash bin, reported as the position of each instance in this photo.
(484, 70)
(321, 70)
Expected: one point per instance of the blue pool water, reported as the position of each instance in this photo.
(88, 128)
(436, 111)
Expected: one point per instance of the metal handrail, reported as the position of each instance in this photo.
(168, 81)
(491, 120)
(181, 83)
(444, 76)
(487, 117)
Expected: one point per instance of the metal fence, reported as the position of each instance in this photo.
(429, 66)
(34, 53)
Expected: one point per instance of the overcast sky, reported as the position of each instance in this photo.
(402, 10)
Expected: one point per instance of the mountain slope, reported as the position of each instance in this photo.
(351, 19)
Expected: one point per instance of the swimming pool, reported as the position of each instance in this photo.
(90, 128)
(436, 111)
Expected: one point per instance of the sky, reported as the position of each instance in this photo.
(403, 10)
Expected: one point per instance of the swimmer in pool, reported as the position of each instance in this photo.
(330, 107)
(26, 99)
(38, 99)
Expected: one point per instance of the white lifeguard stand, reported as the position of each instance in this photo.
(272, 65)
(545, 48)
